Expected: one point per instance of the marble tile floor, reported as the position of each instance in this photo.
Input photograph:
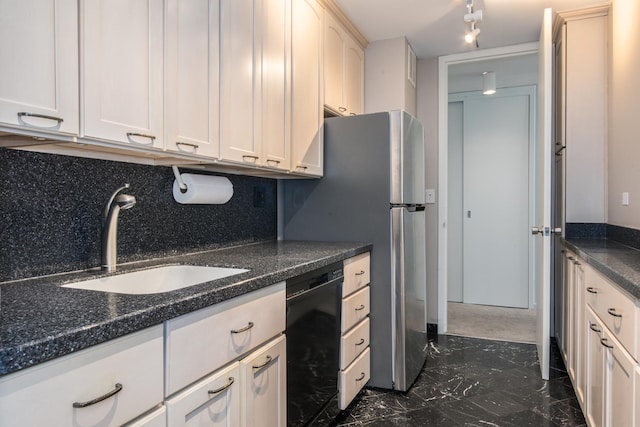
(472, 382)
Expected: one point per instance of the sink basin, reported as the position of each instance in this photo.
(155, 280)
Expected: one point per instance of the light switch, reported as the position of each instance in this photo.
(431, 196)
(625, 198)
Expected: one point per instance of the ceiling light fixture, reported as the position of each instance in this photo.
(488, 83)
(472, 18)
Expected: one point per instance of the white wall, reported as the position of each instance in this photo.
(624, 114)
(427, 113)
(386, 86)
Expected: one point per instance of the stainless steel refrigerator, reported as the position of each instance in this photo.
(373, 190)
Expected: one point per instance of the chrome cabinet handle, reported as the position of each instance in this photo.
(187, 144)
(591, 290)
(594, 328)
(612, 311)
(39, 116)
(241, 330)
(277, 162)
(360, 273)
(152, 138)
(603, 341)
(301, 167)
(342, 109)
(267, 361)
(360, 308)
(353, 114)
(362, 375)
(117, 389)
(252, 159)
(577, 262)
(360, 342)
(571, 258)
(223, 388)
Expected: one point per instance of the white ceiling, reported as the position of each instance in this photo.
(436, 27)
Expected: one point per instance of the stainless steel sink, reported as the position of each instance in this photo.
(156, 280)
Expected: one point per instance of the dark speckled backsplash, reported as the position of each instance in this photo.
(52, 206)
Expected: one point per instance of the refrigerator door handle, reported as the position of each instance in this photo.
(411, 207)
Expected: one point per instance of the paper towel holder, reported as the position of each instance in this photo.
(181, 184)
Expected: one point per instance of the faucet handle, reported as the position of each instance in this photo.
(113, 196)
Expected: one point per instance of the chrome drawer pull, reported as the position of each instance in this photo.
(591, 290)
(594, 328)
(277, 162)
(342, 109)
(571, 258)
(612, 311)
(252, 159)
(39, 116)
(116, 390)
(241, 330)
(187, 144)
(362, 375)
(360, 273)
(141, 135)
(301, 167)
(360, 308)
(577, 262)
(603, 341)
(267, 361)
(223, 388)
(360, 342)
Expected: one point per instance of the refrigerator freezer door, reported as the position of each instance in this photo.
(407, 158)
(409, 288)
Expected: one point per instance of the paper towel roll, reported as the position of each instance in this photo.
(203, 190)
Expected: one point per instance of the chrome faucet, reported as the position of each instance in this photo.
(110, 227)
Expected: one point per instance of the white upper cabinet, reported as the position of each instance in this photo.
(343, 69)
(239, 78)
(39, 72)
(255, 81)
(276, 83)
(306, 89)
(192, 76)
(122, 71)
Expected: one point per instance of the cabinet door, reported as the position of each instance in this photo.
(276, 79)
(570, 327)
(39, 57)
(595, 370)
(122, 70)
(214, 401)
(354, 77)
(264, 382)
(580, 349)
(239, 77)
(157, 418)
(619, 382)
(306, 92)
(334, 65)
(192, 76)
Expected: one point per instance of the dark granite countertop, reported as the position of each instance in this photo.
(616, 261)
(39, 320)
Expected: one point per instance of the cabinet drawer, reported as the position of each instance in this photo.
(353, 379)
(197, 406)
(44, 395)
(355, 308)
(356, 273)
(616, 310)
(201, 342)
(157, 418)
(353, 343)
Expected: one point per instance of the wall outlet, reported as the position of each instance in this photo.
(430, 196)
(625, 198)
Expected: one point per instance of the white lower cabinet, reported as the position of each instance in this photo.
(619, 371)
(264, 385)
(105, 385)
(354, 378)
(157, 418)
(595, 371)
(213, 401)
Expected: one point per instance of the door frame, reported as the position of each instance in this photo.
(443, 102)
(530, 91)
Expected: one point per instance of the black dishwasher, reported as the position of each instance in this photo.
(313, 340)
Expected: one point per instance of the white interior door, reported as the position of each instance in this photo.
(544, 155)
(496, 199)
(454, 215)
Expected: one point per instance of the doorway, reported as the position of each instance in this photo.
(477, 58)
(490, 183)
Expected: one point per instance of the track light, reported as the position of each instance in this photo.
(471, 36)
(488, 83)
